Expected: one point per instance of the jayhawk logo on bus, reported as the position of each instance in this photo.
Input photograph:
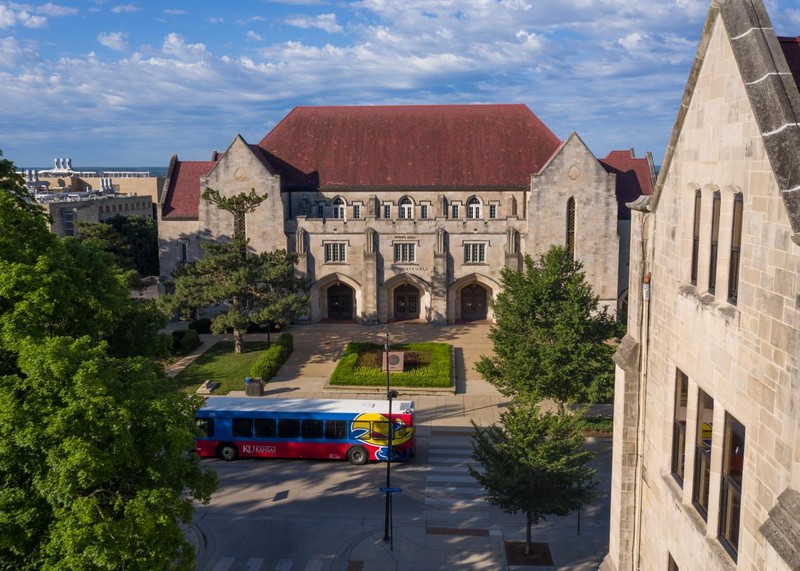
(372, 428)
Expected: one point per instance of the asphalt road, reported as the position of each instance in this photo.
(304, 515)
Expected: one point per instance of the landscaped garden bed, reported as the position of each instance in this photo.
(426, 365)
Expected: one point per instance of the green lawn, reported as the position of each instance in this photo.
(426, 365)
(222, 365)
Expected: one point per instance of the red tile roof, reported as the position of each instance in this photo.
(791, 49)
(183, 194)
(410, 146)
(634, 177)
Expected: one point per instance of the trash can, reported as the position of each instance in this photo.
(253, 388)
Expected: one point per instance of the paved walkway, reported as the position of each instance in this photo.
(317, 348)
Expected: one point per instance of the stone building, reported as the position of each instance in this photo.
(410, 212)
(706, 461)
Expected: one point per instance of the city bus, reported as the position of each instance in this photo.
(356, 430)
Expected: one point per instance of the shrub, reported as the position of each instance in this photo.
(273, 358)
(185, 340)
(202, 325)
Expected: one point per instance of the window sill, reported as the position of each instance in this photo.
(705, 300)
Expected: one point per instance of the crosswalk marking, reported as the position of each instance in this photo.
(254, 564)
(284, 565)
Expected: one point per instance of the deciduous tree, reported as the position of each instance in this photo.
(534, 463)
(550, 338)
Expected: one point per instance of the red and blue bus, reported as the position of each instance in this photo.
(357, 430)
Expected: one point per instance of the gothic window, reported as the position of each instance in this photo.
(337, 208)
(571, 226)
(712, 262)
(702, 455)
(730, 504)
(405, 208)
(473, 208)
(736, 249)
(679, 426)
(696, 235)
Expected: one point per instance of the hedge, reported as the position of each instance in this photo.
(273, 358)
(185, 340)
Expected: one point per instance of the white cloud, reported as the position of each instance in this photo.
(324, 22)
(114, 40)
(18, 15)
(125, 9)
(216, 20)
(175, 12)
(54, 10)
(251, 35)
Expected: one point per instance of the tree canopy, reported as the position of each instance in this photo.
(97, 469)
(534, 463)
(132, 240)
(550, 338)
(253, 289)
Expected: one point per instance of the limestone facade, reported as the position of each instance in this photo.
(389, 245)
(706, 462)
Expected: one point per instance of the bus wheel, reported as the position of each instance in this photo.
(227, 452)
(357, 456)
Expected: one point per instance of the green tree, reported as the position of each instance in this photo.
(254, 289)
(534, 463)
(549, 337)
(97, 469)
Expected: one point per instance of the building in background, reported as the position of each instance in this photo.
(70, 196)
(410, 212)
(706, 461)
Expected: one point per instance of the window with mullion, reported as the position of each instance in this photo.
(335, 252)
(404, 253)
(712, 262)
(474, 253)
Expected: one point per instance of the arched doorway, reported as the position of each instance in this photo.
(340, 302)
(473, 303)
(406, 302)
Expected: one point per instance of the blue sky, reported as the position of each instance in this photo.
(130, 84)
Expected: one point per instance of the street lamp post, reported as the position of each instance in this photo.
(390, 394)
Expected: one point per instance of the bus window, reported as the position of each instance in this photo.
(311, 429)
(206, 426)
(335, 429)
(288, 428)
(265, 428)
(242, 427)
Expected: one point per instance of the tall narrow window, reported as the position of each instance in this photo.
(387, 211)
(492, 211)
(68, 221)
(679, 426)
(712, 262)
(405, 208)
(454, 211)
(696, 235)
(736, 249)
(571, 226)
(730, 504)
(320, 210)
(337, 208)
(423, 211)
(183, 254)
(473, 208)
(356, 211)
(702, 455)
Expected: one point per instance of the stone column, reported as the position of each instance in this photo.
(440, 280)
(301, 268)
(512, 261)
(369, 279)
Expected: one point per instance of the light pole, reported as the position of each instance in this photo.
(390, 394)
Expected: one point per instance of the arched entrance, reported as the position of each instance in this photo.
(406, 302)
(340, 302)
(473, 303)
